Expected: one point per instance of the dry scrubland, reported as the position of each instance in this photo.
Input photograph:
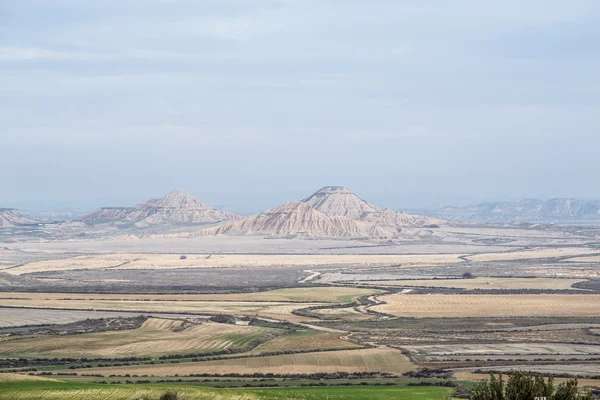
(483, 283)
(154, 338)
(473, 305)
(362, 360)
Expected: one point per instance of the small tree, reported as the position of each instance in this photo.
(526, 386)
(170, 395)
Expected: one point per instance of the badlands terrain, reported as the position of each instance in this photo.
(329, 290)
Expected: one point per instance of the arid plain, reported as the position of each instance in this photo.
(402, 298)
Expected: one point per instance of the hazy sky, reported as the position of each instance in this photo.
(255, 102)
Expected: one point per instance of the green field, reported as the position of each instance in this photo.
(48, 390)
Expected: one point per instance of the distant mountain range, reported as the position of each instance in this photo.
(528, 210)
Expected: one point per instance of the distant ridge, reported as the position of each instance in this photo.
(526, 210)
(340, 201)
(297, 219)
(176, 207)
(11, 217)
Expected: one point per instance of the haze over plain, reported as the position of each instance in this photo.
(254, 103)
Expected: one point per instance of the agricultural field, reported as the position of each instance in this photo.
(361, 360)
(503, 351)
(27, 390)
(534, 254)
(278, 310)
(155, 337)
(308, 294)
(472, 305)
(484, 283)
(18, 317)
(194, 261)
(304, 341)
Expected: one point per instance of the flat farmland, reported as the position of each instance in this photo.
(362, 360)
(18, 317)
(501, 305)
(513, 350)
(60, 390)
(484, 283)
(533, 254)
(172, 261)
(276, 310)
(346, 314)
(154, 338)
(308, 294)
(305, 340)
(585, 259)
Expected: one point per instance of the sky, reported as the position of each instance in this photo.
(250, 103)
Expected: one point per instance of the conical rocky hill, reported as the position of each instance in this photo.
(10, 217)
(339, 201)
(176, 207)
(298, 219)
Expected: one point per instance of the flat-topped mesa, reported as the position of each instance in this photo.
(175, 199)
(11, 217)
(340, 201)
(176, 207)
(297, 219)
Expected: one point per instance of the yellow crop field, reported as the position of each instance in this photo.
(362, 360)
(474, 305)
(154, 338)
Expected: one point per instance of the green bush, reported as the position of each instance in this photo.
(170, 395)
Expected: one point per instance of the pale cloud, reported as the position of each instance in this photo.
(17, 53)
